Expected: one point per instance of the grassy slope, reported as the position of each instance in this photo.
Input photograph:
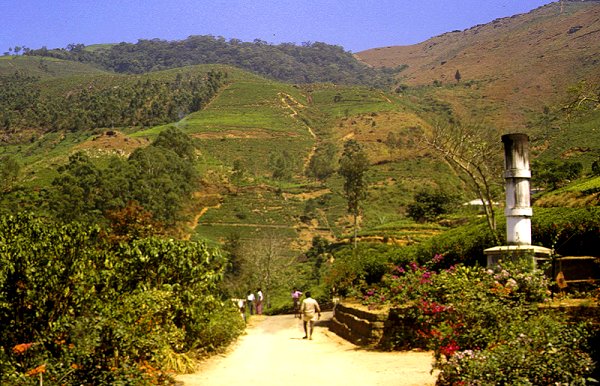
(45, 67)
(547, 55)
(250, 120)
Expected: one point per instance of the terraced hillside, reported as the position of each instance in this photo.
(253, 122)
(267, 151)
(256, 142)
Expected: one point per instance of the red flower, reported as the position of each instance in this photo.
(449, 349)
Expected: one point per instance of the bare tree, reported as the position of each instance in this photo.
(266, 265)
(475, 153)
(583, 97)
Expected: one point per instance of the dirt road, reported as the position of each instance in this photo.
(273, 353)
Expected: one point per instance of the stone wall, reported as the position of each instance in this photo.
(364, 327)
(357, 325)
(395, 328)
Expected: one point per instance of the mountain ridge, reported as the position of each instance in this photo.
(529, 59)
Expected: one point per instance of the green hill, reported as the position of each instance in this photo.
(305, 63)
(249, 125)
(45, 67)
(267, 150)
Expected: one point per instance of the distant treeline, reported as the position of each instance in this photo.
(103, 101)
(305, 63)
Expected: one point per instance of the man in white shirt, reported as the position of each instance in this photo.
(250, 302)
(310, 311)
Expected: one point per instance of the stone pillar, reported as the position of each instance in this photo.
(518, 210)
(517, 175)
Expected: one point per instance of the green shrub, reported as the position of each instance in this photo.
(570, 231)
(531, 351)
(76, 309)
(355, 268)
(430, 205)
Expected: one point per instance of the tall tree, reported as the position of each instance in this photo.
(475, 153)
(354, 164)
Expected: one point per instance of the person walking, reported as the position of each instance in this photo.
(259, 301)
(242, 307)
(296, 300)
(310, 311)
(250, 302)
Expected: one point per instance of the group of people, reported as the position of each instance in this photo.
(308, 310)
(254, 303)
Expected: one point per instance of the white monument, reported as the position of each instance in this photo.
(518, 210)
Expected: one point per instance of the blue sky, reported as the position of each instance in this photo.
(353, 24)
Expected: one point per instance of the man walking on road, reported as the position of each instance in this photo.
(309, 310)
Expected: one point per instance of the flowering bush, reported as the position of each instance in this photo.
(483, 325)
(75, 309)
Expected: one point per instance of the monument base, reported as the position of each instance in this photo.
(517, 252)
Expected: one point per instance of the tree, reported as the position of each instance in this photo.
(429, 205)
(583, 97)
(9, 172)
(475, 153)
(353, 167)
(176, 140)
(554, 174)
(266, 266)
(596, 167)
(457, 76)
(282, 166)
(321, 164)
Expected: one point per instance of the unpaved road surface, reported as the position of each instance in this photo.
(273, 353)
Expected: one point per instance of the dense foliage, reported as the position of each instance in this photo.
(484, 325)
(554, 174)
(157, 179)
(103, 101)
(77, 309)
(430, 205)
(570, 231)
(306, 63)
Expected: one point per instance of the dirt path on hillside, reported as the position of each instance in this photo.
(273, 353)
(294, 114)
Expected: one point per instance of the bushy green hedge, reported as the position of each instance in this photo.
(75, 309)
(570, 231)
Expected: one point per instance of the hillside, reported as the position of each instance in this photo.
(253, 122)
(305, 63)
(251, 127)
(45, 67)
(267, 150)
(511, 67)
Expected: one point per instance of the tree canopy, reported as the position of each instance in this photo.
(353, 167)
(305, 63)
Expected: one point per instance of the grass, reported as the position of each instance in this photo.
(45, 67)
